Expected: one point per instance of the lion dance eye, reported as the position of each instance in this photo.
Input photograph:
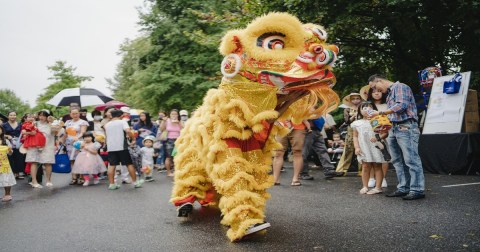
(271, 41)
(326, 57)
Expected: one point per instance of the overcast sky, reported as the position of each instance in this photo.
(86, 34)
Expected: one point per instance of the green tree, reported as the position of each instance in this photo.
(9, 101)
(182, 60)
(63, 76)
(394, 37)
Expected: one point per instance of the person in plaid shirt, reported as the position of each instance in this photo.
(403, 137)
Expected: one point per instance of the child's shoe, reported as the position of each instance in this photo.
(96, 181)
(364, 190)
(86, 183)
(375, 191)
(7, 198)
(113, 187)
(371, 182)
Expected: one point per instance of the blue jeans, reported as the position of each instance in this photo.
(161, 155)
(403, 145)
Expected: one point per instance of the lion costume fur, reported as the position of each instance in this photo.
(225, 150)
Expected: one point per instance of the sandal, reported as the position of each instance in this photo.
(276, 183)
(375, 191)
(296, 183)
(364, 190)
(7, 198)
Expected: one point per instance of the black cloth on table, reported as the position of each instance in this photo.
(450, 153)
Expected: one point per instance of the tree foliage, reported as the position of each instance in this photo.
(63, 76)
(9, 101)
(176, 60)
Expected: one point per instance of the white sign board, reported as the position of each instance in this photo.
(445, 111)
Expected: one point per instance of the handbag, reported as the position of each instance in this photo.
(163, 136)
(62, 162)
(453, 86)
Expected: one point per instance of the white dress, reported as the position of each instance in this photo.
(47, 154)
(365, 133)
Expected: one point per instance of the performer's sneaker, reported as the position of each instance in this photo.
(185, 209)
(257, 227)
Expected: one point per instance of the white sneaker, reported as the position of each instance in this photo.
(49, 184)
(371, 182)
(37, 186)
(384, 183)
(86, 183)
(96, 181)
(138, 183)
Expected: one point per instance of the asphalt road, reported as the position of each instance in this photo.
(320, 215)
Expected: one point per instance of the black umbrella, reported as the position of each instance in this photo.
(82, 96)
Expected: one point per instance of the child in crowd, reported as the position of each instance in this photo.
(100, 138)
(148, 154)
(367, 154)
(136, 155)
(336, 145)
(32, 138)
(88, 162)
(380, 101)
(7, 179)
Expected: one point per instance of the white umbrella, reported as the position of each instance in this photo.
(82, 96)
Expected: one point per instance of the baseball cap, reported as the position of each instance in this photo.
(183, 112)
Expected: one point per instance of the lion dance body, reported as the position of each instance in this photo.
(276, 68)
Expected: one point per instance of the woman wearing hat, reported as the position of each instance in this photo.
(349, 114)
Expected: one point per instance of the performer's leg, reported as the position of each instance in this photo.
(242, 180)
(191, 180)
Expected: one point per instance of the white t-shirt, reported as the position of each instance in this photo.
(116, 135)
(329, 121)
(147, 156)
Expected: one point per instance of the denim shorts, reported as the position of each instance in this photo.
(169, 146)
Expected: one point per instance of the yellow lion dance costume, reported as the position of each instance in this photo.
(276, 67)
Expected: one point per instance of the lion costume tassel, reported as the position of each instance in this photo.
(276, 67)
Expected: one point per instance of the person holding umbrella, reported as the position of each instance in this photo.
(74, 129)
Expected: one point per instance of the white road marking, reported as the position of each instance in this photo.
(462, 184)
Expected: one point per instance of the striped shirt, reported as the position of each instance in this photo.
(401, 101)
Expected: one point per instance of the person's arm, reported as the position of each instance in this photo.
(346, 115)
(355, 143)
(383, 135)
(83, 129)
(308, 127)
(163, 125)
(127, 130)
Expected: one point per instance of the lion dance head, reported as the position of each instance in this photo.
(279, 52)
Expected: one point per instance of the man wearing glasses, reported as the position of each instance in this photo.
(403, 137)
